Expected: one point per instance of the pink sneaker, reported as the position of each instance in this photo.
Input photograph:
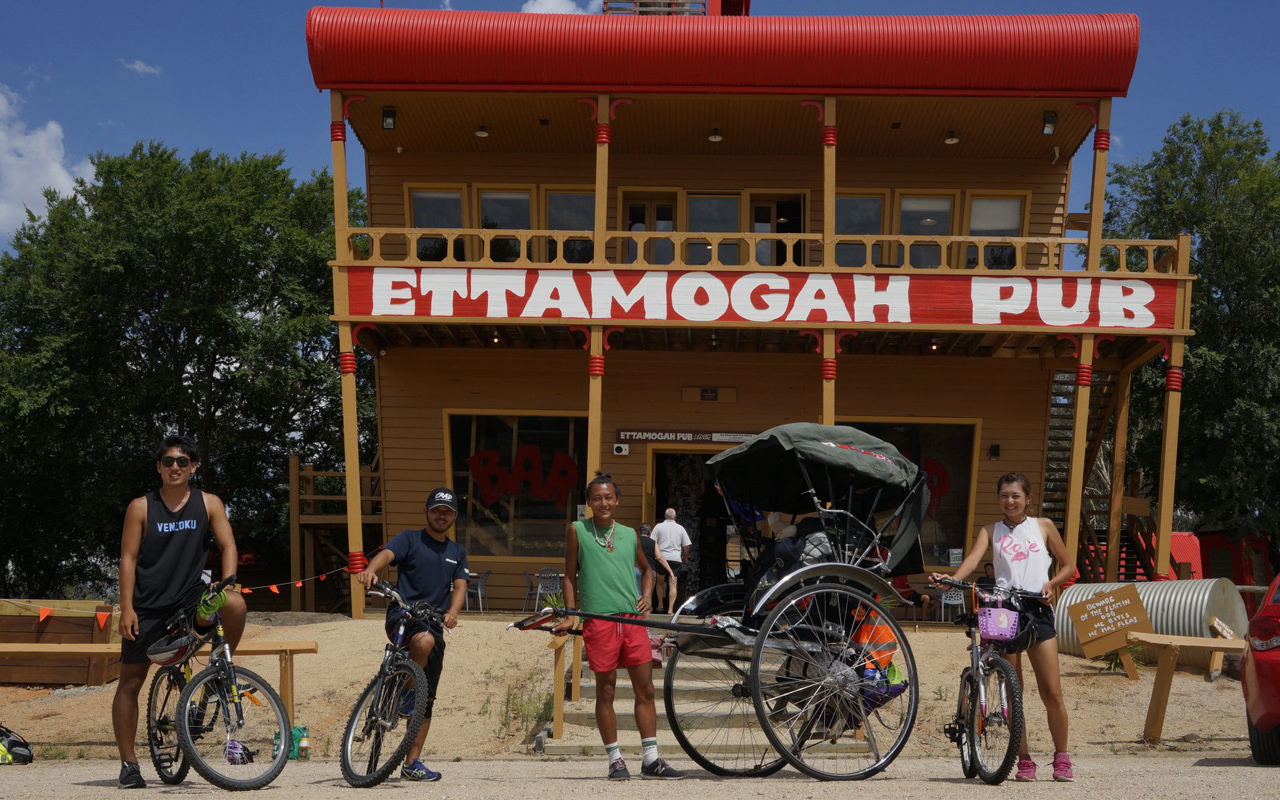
(1026, 770)
(1062, 767)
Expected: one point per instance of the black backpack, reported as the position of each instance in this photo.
(13, 748)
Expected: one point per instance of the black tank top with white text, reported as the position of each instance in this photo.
(173, 552)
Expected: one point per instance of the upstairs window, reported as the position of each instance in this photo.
(858, 216)
(571, 211)
(438, 209)
(711, 214)
(995, 217)
(651, 214)
(926, 216)
(508, 211)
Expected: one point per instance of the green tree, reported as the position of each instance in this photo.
(163, 296)
(1219, 180)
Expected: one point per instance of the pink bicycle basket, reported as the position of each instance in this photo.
(998, 624)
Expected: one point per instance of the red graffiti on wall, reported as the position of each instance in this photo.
(495, 481)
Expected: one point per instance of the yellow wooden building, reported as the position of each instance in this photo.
(625, 241)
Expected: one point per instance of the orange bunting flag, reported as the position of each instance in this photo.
(323, 577)
(246, 590)
(297, 583)
(274, 588)
(102, 616)
(45, 611)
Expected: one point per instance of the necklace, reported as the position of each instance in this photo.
(607, 540)
(1015, 524)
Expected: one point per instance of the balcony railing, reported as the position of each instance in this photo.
(657, 8)
(422, 247)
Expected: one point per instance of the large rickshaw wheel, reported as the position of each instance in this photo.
(708, 703)
(823, 687)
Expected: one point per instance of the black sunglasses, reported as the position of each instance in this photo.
(181, 461)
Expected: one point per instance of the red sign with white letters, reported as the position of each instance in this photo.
(1054, 300)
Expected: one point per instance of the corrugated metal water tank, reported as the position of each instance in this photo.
(1177, 608)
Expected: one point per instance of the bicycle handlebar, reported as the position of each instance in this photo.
(419, 610)
(222, 584)
(991, 592)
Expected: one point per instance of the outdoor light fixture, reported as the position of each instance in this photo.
(496, 340)
(481, 132)
(951, 138)
(715, 136)
(389, 118)
(993, 452)
(1050, 123)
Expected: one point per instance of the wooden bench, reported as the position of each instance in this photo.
(285, 650)
(1169, 647)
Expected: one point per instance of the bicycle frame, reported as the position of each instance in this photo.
(219, 656)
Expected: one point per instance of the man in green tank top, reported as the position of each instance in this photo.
(601, 559)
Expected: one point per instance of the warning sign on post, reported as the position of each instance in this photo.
(1103, 621)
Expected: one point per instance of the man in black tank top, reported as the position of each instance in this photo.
(162, 553)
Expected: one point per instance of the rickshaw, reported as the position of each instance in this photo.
(801, 662)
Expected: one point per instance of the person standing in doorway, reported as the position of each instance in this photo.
(163, 549)
(432, 567)
(673, 540)
(657, 563)
(601, 556)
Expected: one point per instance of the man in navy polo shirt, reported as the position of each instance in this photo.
(432, 567)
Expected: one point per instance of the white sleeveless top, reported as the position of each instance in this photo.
(1021, 556)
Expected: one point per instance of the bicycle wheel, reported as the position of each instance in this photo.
(162, 727)
(377, 737)
(834, 682)
(708, 703)
(225, 751)
(995, 720)
(967, 690)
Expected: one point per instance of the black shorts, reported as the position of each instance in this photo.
(435, 660)
(152, 627)
(1041, 616)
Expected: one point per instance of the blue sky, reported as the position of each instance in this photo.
(232, 76)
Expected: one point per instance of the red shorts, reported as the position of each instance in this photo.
(615, 644)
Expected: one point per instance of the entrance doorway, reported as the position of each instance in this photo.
(679, 483)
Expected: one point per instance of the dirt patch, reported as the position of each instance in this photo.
(497, 682)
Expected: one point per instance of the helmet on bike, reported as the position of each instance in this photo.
(1026, 636)
(237, 754)
(173, 648)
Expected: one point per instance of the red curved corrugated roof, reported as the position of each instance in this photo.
(416, 49)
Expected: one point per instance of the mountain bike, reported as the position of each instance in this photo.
(375, 741)
(227, 722)
(987, 727)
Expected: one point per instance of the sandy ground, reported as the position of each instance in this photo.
(1126, 776)
(495, 682)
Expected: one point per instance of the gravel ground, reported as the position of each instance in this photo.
(1166, 775)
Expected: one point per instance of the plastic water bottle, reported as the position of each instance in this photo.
(304, 748)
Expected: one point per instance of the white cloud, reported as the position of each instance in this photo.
(139, 67)
(561, 7)
(31, 160)
(446, 5)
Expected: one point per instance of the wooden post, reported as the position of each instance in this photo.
(286, 684)
(1160, 694)
(575, 679)
(829, 189)
(1169, 456)
(1130, 668)
(1079, 443)
(309, 564)
(595, 389)
(1098, 189)
(295, 538)
(602, 184)
(341, 214)
(351, 460)
(1124, 381)
(557, 686)
(829, 377)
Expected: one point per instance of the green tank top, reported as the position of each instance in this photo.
(606, 581)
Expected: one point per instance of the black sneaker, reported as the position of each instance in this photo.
(618, 770)
(661, 770)
(131, 776)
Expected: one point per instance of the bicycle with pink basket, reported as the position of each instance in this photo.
(988, 723)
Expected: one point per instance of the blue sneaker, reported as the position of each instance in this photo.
(407, 704)
(417, 771)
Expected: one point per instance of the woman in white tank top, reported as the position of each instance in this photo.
(1023, 550)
